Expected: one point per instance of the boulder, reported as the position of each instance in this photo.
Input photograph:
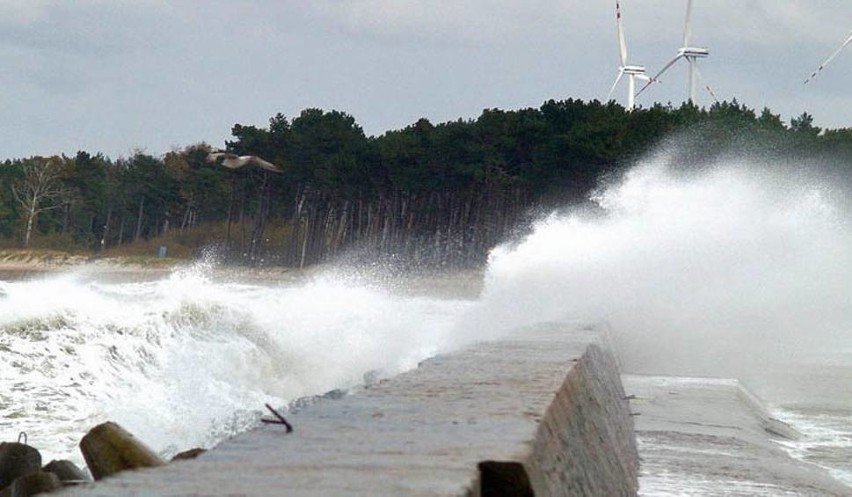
(189, 454)
(67, 471)
(108, 448)
(17, 459)
(34, 483)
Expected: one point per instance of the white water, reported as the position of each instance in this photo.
(826, 439)
(740, 269)
(185, 361)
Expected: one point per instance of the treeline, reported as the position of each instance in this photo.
(437, 194)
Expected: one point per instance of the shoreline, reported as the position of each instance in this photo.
(449, 283)
(52, 260)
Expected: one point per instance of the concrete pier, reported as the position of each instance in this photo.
(711, 436)
(541, 412)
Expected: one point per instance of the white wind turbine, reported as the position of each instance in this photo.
(633, 72)
(689, 53)
(830, 58)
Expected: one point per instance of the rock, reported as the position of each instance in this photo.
(67, 471)
(108, 448)
(17, 459)
(34, 483)
(189, 454)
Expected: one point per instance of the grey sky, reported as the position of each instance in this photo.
(113, 76)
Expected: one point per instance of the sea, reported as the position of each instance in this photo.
(736, 269)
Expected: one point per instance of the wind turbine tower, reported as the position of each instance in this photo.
(690, 54)
(633, 72)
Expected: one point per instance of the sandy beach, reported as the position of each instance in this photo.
(19, 264)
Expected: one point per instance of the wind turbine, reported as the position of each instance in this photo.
(830, 58)
(688, 53)
(633, 72)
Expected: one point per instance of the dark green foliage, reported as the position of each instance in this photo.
(329, 151)
(152, 190)
(404, 157)
(85, 214)
(435, 193)
(9, 209)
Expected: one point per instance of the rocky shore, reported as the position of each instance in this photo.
(107, 448)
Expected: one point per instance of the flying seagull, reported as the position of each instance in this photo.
(234, 161)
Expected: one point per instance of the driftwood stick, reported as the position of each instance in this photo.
(280, 421)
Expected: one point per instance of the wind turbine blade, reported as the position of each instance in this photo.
(617, 79)
(687, 24)
(666, 67)
(830, 58)
(656, 76)
(622, 45)
(704, 83)
(712, 93)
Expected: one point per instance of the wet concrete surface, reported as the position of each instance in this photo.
(704, 436)
(546, 399)
(524, 398)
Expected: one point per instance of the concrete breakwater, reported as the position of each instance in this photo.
(541, 412)
(712, 436)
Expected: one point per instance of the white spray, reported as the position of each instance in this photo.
(739, 269)
(186, 361)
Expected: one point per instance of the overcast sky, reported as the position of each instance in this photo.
(114, 76)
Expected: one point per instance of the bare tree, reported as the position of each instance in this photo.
(39, 190)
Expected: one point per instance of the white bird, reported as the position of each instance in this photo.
(234, 161)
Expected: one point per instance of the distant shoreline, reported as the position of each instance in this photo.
(40, 261)
(22, 264)
(19, 264)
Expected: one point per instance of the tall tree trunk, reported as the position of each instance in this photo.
(305, 243)
(260, 219)
(295, 225)
(241, 220)
(187, 217)
(30, 220)
(66, 217)
(121, 231)
(105, 234)
(231, 210)
(139, 220)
